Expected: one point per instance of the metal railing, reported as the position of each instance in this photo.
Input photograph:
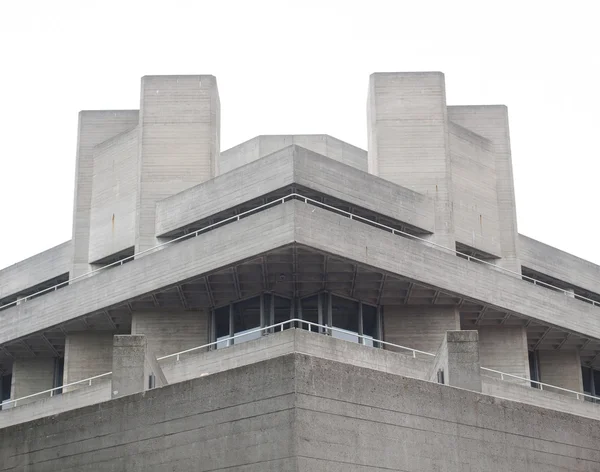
(307, 200)
(318, 328)
(53, 391)
(578, 395)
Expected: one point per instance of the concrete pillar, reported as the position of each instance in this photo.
(561, 368)
(504, 348)
(457, 361)
(87, 354)
(94, 128)
(32, 375)
(491, 122)
(179, 142)
(408, 139)
(170, 332)
(419, 327)
(129, 374)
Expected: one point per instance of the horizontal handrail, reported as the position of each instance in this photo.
(307, 200)
(52, 390)
(321, 329)
(541, 384)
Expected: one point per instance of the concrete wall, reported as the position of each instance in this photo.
(288, 166)
(408, 139)
(301, 413)
(114, 193)
(491, 122)
(31, 375)
(169, 332)
(94, 128)
(419, 327)
(559, 264)
(179, 142)
(561, 368)
(457, 361)
(262, 146)
(87, 354)
(476, 222)
(35, 270)
(504, 348)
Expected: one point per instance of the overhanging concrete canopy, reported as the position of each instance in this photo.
(386, 266)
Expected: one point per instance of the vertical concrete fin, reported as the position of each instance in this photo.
(491, 122)
(408, 139)
(179, 142)
(457, 361)
(129, 374)
(94, 127)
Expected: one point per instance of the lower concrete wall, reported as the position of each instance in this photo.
(354, 419)
(561, 368)
(504, 348)
(32, 375)
(169, 332)
(87, 354)
(419, 327)
(303, 413)
(543, 398)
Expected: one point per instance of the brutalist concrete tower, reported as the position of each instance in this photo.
(296, 303)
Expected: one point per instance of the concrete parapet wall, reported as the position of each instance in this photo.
(504, 348)
(457, 361)
(35, 270)
(87, 354)
(561, 368)
(32, 375)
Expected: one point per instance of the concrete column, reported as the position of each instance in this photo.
(419, 327)
(491, 122)
(94, 128)
(87, 354)
(129, 373)
(179, 142)
(504, 348)
(561, 368)
(32, 375)
(457, 359)
(408, 139)
(170, 332)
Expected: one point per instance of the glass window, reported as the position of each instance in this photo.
(282, 311)
(596, 378)
(369, 324)
(246, 318)
(222, 326)
(344, 317)
(310, 312)
(586, 373)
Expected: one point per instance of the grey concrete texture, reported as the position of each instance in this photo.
(94, 128)
(504, 348)
(303, 167)
(458, 360)
(32, 375)
(298, 412)
(35, 269)
(114, 195)
(409, 141)
(491, 122)
(322, 144)
(87, 354)
(312, 227)
(129, 365)
(179, 142)
(559, 264)
(561, 368)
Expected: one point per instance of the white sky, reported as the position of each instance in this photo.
(301, 67)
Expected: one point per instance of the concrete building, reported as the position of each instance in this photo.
(296, 303)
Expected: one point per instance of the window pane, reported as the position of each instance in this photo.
(345, 317)
(246, 317)
(282, 312)
(222, 326)
(587, 379)
(310, 312)
(597, 382)
(369, 324)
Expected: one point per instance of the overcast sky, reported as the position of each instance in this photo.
(301, 67)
